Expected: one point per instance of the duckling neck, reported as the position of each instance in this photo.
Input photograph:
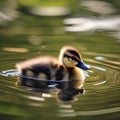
(70, 69)
(70, 72)
(75, 74)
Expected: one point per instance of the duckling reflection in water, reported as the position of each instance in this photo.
(68, 67)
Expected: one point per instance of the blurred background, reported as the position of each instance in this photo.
(30, 28)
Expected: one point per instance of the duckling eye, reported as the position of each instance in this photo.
(70, 59)
(66, 56)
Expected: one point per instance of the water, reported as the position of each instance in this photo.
(30, 36)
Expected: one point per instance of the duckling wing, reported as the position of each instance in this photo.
(45, 67)
(60, 73)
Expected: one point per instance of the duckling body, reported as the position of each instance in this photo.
(68, 67)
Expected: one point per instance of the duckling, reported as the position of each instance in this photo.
(68, 67)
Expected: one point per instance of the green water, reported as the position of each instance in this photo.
(38, 35)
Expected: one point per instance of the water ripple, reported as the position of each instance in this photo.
(101, 84)
(99, 112)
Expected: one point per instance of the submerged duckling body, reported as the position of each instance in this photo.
(68, 67)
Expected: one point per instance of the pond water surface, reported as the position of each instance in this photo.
(30, 36)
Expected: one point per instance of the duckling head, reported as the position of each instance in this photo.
(70, 58)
